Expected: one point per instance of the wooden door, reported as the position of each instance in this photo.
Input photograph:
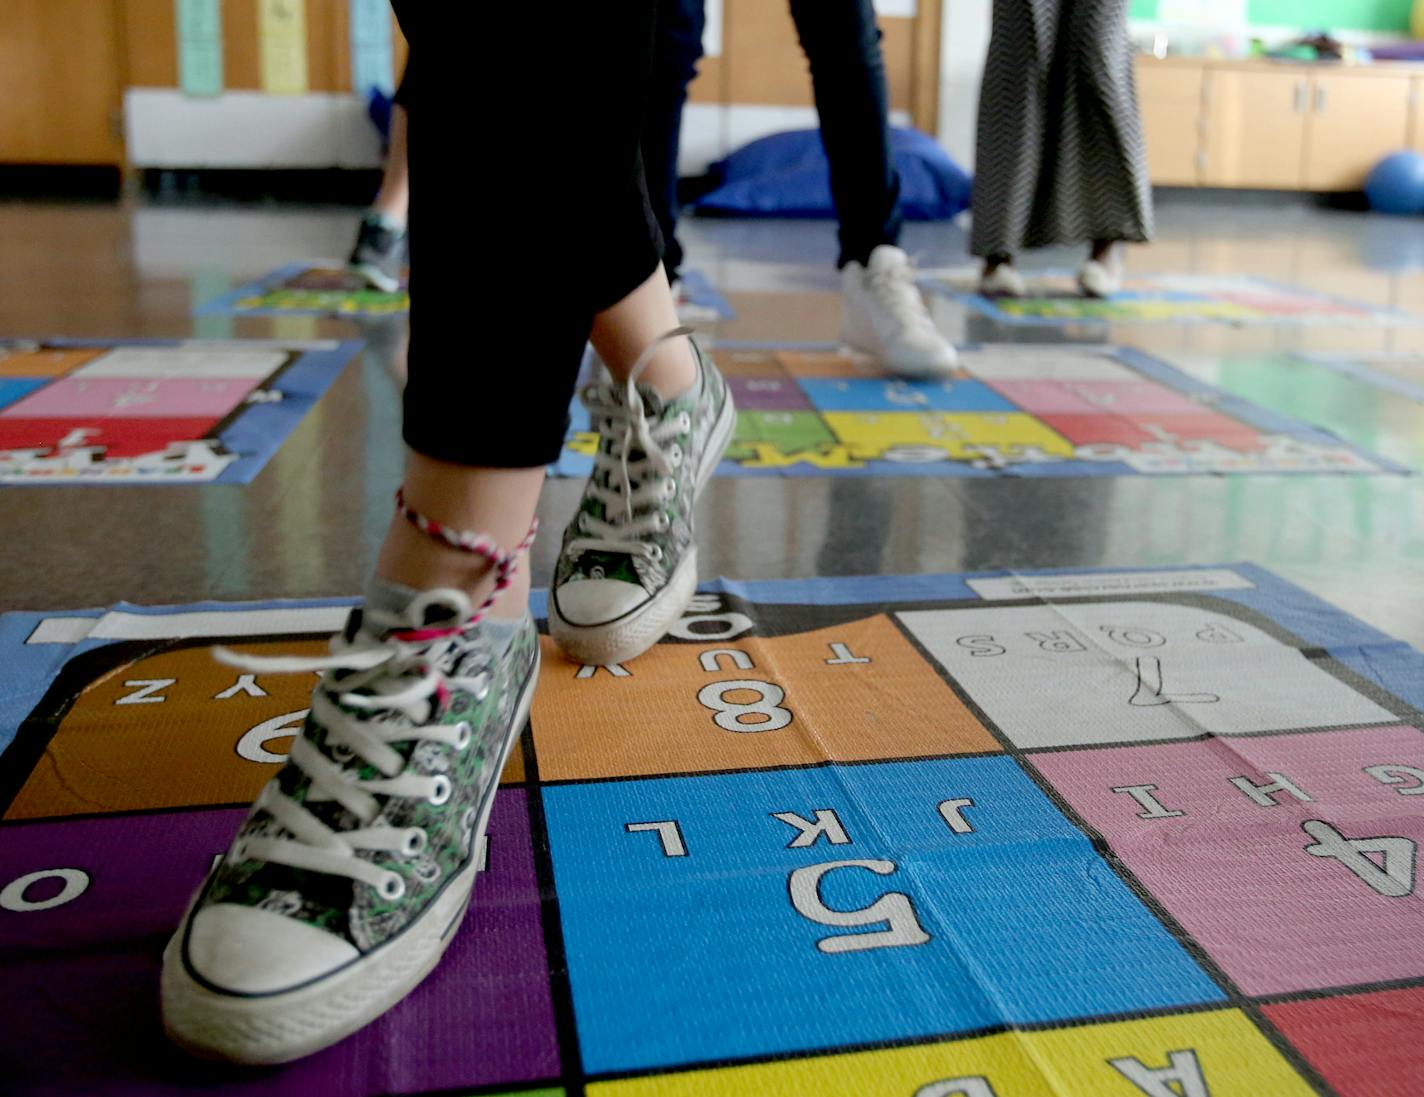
(60, 82)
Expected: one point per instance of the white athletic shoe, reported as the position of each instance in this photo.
(1003, 281)
(885, 316)
(1098, 279)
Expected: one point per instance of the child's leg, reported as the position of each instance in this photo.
(380, 251)
(393, 199)
(497, 502)
(628, 565)
(677, 47)
(352, 870)
(624, 331)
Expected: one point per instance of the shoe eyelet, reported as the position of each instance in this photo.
(463, 734)
(684, 422)
(580, 523)
(440, 789)
(238, 852)
(481, 691)
(655, 551)
(415, 841)
(392, 886)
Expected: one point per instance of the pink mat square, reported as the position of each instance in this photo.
(1045, 397)
(1237, 875)
(1131, 397)
(132, 398)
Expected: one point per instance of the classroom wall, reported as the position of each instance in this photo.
(1383, 16)
(753, 79)
(967, 24)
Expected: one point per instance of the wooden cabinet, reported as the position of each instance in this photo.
(1275, 126)
(1355, 119)
(1255, 128)
(1171, 101)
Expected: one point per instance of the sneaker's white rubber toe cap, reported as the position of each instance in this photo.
(589, 602)
(246, 950)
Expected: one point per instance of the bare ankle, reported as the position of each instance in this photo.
(673, 369)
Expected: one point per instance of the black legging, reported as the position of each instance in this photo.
(842, 42)
(498, 184)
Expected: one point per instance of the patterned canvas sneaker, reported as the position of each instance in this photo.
(628, 566)
(379, 253)
(885, 317)
(352, 870)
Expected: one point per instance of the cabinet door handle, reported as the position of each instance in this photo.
(1319, 98)
(1299, 100)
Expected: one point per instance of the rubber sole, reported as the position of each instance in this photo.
(630, 636)
(375, 277)
(277, 1028)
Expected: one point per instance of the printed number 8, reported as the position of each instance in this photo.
(730, 716)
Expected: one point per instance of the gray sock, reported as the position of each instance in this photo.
(500, 632)
(392, 598)
(387, 597)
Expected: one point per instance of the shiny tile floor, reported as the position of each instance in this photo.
(311, 522)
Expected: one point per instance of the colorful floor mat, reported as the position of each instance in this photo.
(1054, 300)
(324, 287)
(1080, 834)
(1374, 402)
(1400, 374)
(1008, 411)
(110, 411)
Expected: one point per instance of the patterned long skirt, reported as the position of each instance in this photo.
(1060, 157)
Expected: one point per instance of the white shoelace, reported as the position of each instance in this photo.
(399, 678)
(894, 288)
(624, 485)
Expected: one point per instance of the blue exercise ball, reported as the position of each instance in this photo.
(1396, 185)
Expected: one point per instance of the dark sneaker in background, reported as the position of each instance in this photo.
(379, 254)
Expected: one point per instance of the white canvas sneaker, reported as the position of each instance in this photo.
(885, 316)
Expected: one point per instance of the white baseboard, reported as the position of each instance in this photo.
(248, 129)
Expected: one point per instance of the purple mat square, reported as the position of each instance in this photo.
(768, 394)
(87, 973)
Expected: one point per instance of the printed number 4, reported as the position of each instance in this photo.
(1391, 876)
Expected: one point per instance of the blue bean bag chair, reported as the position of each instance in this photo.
(786, 175)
